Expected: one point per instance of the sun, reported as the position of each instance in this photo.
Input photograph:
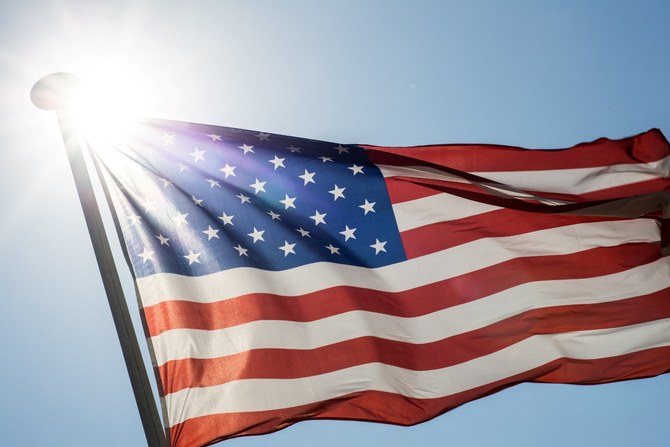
(106, 102)
(100, 108)
(101, 105)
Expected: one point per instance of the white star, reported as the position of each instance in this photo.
(227, 220)
(274, 215)
(278, 162)
(164, 240)
(303, 233)
(325, 159)
(337, 192)
(356, 169)
(213, 183)
(183, 167)
(241, 250)
(368, 207)
(134, 219)
(257, 235)
(318, 218)
(293, 149)
(146, 255)
(198, 202)
(287, 248)
(258, 186)
(197, 155)
(333, 250)
(378, 246)
(288, 202)
(228, 170)
(263, 136)
(192, 257)
(308, 177)
(348, 233)
(246, 148)
(341, 149)
(167, 138)
(165, 181)
(180, 219)
(211, 232)
(214, 137)
(243, 198)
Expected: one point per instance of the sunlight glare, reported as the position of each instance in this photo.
(107, 103)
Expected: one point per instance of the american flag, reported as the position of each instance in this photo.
(284, 279)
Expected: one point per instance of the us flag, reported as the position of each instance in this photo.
(284, 279)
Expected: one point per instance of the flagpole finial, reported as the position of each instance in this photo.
(55, 92)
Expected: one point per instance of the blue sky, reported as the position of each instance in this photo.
(527, 73)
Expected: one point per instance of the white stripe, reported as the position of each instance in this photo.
(273, 394)
(582, 180)
(437, 208)
(419, 172)
(434, 174)
(565, 181)
(396, 277)
(179, 344)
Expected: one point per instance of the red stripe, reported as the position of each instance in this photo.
(293, 363)
(403, 189)
(504, 222)
(419, 301)
(470, 191)
(376, 406)
(500, 199)
(618, 192)
(644, 148)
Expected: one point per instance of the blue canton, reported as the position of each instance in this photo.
(196, 199)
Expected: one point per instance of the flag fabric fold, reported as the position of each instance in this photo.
(283, 279)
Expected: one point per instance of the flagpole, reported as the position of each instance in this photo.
(52, 93)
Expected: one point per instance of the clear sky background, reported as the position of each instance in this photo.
(539, 74)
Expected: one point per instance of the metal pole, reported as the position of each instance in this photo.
(44, 95)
